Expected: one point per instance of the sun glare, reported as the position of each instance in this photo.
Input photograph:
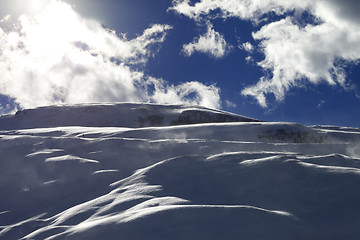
(22, 7)
(52, 29)
(36, 6)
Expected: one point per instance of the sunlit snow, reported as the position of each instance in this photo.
(142, 171)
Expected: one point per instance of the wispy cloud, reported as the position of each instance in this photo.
(212, 43)
(297, 52)
(6, 18)
(58, 56)
(321, 104)
(230, 104)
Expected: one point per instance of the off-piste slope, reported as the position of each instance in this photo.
(138, 171)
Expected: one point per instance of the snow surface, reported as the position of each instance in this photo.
(141, 171)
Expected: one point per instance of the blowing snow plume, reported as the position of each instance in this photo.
(126, 172)
(57, 56)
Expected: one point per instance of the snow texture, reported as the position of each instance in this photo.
(142, 171)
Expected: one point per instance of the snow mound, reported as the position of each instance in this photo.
(116, 115)
(182, 179)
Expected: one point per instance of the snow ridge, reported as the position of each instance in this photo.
(116, 115)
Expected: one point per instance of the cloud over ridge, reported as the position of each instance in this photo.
(59, 57)
(295, 53)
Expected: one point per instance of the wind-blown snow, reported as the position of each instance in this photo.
(119, 172)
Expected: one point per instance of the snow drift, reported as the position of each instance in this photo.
(140, 171)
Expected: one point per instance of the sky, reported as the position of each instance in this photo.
(275, 60)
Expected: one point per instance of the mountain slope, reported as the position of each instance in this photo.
(107, 177)
(116, 115)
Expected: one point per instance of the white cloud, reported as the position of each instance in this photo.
(230, 104)
(249, 59)
(244, 9)
(295, 53)
(247, 47)
(59, 57)
(212, 43)
(188, 93)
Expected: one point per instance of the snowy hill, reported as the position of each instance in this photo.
(116, 115)
(138, 171)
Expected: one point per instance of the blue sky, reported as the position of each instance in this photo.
(272, 60)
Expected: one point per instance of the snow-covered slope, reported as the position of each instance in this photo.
(116, 115)
(95, 172)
